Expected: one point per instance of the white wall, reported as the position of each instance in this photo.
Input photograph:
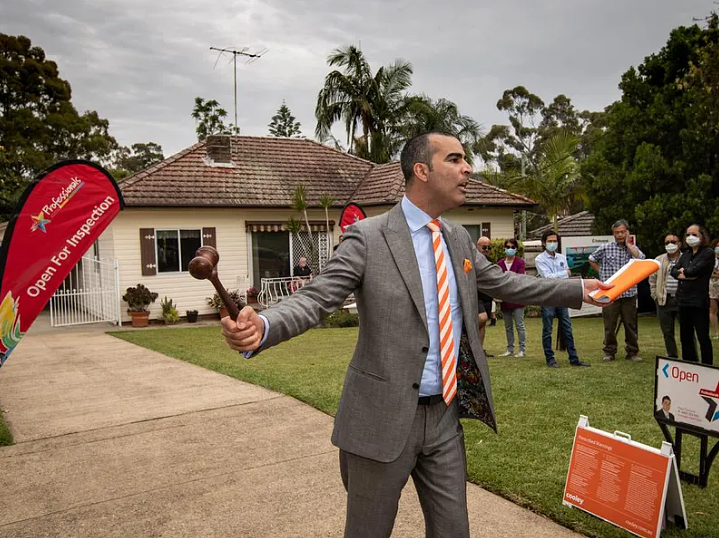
(185, 291)
(122, 240)
(502, 220)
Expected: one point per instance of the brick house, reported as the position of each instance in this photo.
(236, 192)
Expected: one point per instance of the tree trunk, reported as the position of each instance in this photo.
(327, 223)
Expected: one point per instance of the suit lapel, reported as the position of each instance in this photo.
(399, 239)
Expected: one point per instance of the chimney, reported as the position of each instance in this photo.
(219, 149)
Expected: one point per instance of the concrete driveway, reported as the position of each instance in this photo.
(115, 440)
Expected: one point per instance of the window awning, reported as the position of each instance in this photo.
(280, 226)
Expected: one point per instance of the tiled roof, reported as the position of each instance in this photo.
(265, 172)
(579, 224)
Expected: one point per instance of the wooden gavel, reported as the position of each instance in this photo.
(204, 267)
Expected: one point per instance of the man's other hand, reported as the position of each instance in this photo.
(246, 333)
(592, 284)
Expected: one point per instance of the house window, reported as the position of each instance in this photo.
(270, 255)
(175, 249)
(474, 230)
(487, 230)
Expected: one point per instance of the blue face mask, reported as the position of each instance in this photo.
(551, 247)
(510, 251)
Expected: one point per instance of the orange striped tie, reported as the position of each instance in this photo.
(446, 336)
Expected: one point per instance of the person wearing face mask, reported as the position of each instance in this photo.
(693, 271)
(714, 293)
(663, 287)
(612, 257)
(513, 313)
(552, 264)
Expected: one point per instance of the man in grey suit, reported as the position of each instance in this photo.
(392, 421)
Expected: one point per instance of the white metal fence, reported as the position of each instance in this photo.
(316, 254)
(89, 294)
(275, 289)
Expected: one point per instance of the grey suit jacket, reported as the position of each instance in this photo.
(377, 262)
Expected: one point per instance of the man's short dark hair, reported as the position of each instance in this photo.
(666, 398)
(620, 222)
(417, 150)
(547, 234)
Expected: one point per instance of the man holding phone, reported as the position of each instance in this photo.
(607, 260)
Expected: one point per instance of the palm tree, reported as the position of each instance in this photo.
(553, 181)
(294, 227)
(209, 116)
(367, 104)
(423, 114)
(299, 203)
(326, 201)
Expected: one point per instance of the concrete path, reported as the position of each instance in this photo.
(115, 440)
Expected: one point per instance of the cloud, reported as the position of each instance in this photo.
(140, 64)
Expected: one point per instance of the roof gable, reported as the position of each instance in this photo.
(577, 225)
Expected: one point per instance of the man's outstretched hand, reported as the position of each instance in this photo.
(246, 333)
(592, 284)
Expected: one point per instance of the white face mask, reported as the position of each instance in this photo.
(671, 248)
(551, 247)
(693, 240)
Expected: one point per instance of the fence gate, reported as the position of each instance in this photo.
(89, 294)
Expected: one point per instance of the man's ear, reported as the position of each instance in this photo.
(421, 172)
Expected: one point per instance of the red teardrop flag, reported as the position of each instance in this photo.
(58, 218)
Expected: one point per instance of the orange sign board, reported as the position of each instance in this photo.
(630, 275)
(618, 480)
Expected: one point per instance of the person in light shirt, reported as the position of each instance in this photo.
(663, 288)
(607, 260)
(552, 264)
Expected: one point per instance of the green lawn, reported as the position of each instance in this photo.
(5, 435)
(537, 407)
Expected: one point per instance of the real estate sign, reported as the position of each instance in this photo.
(56, 221)
(686, 394)
(626, 483)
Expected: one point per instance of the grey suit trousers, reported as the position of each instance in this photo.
(434, 456)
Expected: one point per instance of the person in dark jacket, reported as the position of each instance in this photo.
(693, 271)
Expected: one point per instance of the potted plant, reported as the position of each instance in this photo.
(169, 311)
(138, 299)
(191, 316)
(216, 303)
(252, 294)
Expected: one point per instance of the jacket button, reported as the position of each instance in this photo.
(415, 385)
(425, 349)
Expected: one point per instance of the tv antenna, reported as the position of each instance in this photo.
(251, 58)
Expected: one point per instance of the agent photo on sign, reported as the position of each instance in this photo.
(663, 413)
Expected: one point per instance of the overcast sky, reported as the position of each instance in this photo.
(141, 63)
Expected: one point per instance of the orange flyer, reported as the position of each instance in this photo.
(618, 480)
(630, 275)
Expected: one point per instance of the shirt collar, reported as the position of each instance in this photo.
(415, 217)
